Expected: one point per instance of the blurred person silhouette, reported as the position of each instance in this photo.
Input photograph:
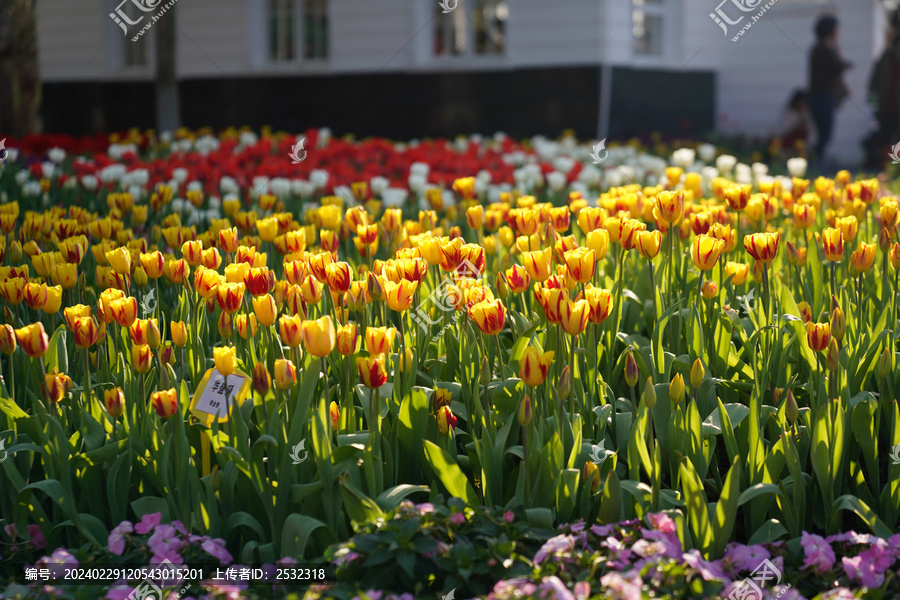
(827, 89)
(796, 122)
(884, 96)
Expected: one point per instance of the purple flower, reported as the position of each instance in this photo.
(862, 572)
(601, 530)
(287, 561)
(552, 588)
(116, 540)
(216, 549)
(577, 527)
(457, 518)
(57, 562)
(671, 544)
(179, 527)
(745, 558)
(119, 592)
(11, 530)
(37, 540)
(509, 516)
(518, 587)
(553, 546)
(425, 507)
(878, 555)
(624, 587)
(164, 540)
(710, 571)
(370, 595)
(818, 552)
(148, 523)
(345, 556)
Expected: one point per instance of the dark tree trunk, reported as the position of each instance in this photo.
(168, 105)
(19, 78)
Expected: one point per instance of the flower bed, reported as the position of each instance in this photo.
(238, 348)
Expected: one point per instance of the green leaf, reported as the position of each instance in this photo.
(390, 499)
(696, 507)
(862, 510)
(297, 532)
(449, 473)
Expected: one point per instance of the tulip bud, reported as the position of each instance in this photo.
(441, 397)
(114, 401)
(375, 290)
(591, 476)
(564, 388)
(884, 363)
(140, 277)
(791, 410)
(224, 359)
(676, 389)
(884, 240)
(526, 411)
(631, 370)
(167, 355)
(446, 420)
(709, 289)
(697, 374)
(56, 387)
(485, 376)
(838, 323)
(335, 414)
(502, 287)
(15, 252)
(285, 373)
(832, 357)
(649, 394)
(261, 379)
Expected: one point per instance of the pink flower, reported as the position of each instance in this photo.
(148, 523)
(119, 592)
(116, 540)
(818, 552)
(662, 522)
(11, 530)
(457, 518)
(745, 558)
(624, 587)
(857, 569)
(37, 540)
(552, 588)
(165, 540)
(216, 549)
(582, 590)
(509, 516)
(553, 546)
(710, 571)
(878, 555)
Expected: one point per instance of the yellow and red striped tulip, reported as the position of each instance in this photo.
(347, 338)
(165, 403)
(762, 246)
(285, 373)
(533, 366)
(705, 251)
(372, 370)
(380, 340)
(318, 336)
(818, 335)
(490, 316)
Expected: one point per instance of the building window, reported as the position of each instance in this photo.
(647, 23)
(290, 19)
(474, 27)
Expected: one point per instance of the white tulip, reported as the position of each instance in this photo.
(57, 155)
(796, 166)
(319, 178)
(707, 153)
(378, 184)
(725, 163)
